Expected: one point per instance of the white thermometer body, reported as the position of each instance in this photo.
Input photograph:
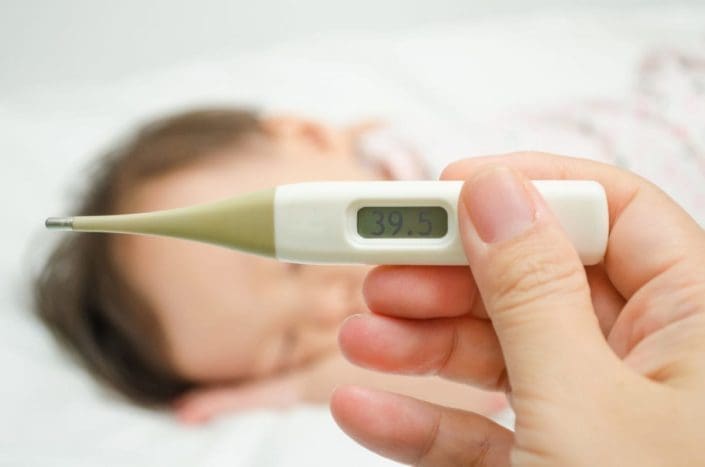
(412, 222)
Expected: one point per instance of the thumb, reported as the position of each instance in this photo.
(530, 278)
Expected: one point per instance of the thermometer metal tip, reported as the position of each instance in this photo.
(59, 223)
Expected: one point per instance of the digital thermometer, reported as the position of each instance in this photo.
(395, 222)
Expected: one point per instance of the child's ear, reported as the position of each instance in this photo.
(288, 129)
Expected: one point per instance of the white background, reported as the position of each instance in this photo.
(74, 41)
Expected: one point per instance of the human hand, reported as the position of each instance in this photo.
(203, 404)
(603, 365)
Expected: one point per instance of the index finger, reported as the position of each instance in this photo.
(649, 232)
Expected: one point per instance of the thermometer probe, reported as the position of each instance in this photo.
(395, 222)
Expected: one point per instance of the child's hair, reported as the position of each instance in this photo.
(81, 295)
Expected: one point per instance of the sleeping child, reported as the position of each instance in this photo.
(204, 329)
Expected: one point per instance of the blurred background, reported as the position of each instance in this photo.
(79, 42)
(454, 77)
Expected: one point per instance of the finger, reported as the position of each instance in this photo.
(606, 300)
(531, 280)
(419, 433)
(438, 292)
(462, 349)
(422, 292)
(648, 231)
(661, 331)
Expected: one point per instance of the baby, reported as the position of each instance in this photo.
(210, 330)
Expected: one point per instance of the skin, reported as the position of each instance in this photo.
(604, 365)
(252, 331)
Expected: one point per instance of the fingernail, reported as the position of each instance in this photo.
(498, 204)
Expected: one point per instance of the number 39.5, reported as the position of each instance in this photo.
(395, 220)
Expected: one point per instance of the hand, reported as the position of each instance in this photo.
(603, 366)
(205, 403)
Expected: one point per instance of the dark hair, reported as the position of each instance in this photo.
(80, 294)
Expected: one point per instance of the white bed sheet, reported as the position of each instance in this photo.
(435, 80)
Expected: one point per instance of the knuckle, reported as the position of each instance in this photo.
(677, 294)
(482, 453)
(524, 274)
(427, 450)
(478, 451)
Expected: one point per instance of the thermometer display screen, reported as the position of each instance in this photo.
(402, 222)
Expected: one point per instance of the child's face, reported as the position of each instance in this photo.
(228, 315)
